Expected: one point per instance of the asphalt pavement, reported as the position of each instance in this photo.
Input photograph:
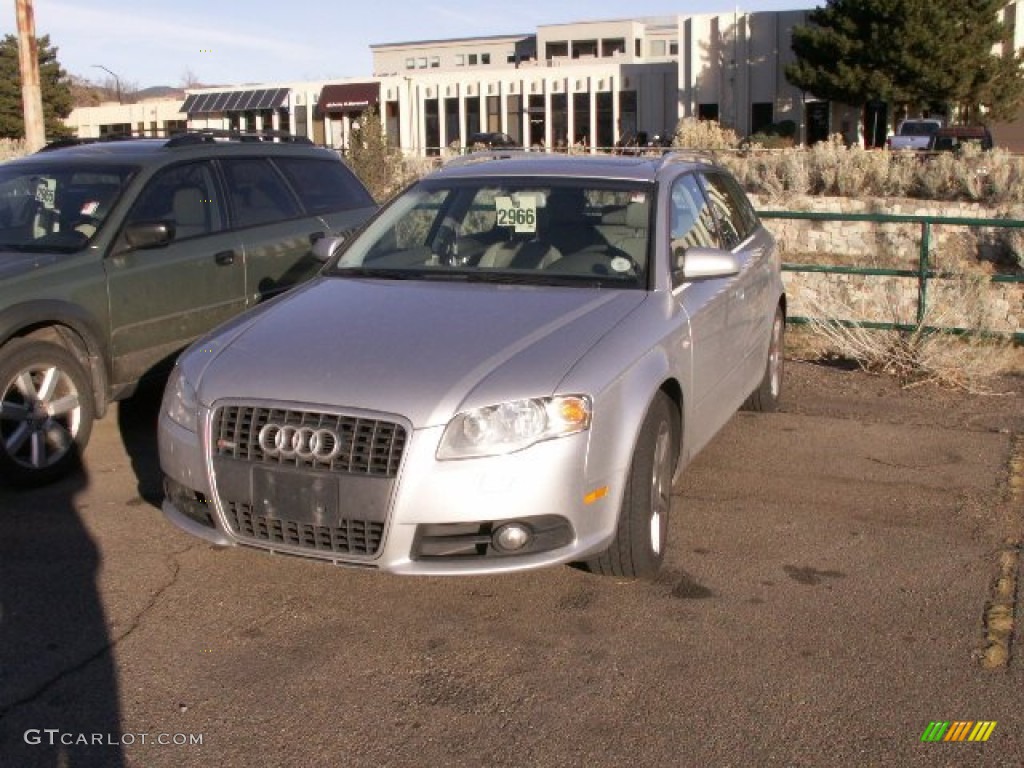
(823, 601)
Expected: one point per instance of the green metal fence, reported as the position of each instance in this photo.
(924, 271)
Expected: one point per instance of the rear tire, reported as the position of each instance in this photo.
(768, 394)
(46, 412)
(642, 532)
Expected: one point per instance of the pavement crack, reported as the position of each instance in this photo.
(45, 686)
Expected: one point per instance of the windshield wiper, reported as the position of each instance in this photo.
(386, 274)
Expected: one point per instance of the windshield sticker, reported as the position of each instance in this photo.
(46, 192)
(621, 264)
(90, 208)
(519, 212)
(638, 197)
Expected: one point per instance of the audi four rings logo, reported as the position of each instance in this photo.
(309, 443)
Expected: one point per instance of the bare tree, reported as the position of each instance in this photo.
(190, 79)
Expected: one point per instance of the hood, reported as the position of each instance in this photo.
(15, 262)
(423, 350)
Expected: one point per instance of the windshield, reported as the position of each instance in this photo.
(50, 208)
(912, 128)
(565, 231)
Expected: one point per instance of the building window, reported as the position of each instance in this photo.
(172, 127)
(613, 46)
(511, 59)
(707, 112)
(557, 50)
(421, 63)
(657, 47)
(638, 52)
(460, 60)
(761, 116)
(584, 48)
(435, 61)
(116, 129)
(485, 58)
(472, 59)
(673, 48)
(410, 63)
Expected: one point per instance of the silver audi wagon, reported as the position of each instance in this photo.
(507, 368)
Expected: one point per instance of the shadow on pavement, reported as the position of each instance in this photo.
(137, 421)
(58, 683)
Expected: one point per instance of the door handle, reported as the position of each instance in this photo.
(224, 258)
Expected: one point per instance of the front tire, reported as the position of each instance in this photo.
(642, 532)
(46, 412)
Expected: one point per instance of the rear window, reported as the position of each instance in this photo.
(324, 186)
(918, 128)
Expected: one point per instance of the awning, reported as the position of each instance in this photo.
(234, 101)
(344, 96)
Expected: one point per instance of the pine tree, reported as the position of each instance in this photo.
(54, 84)
(943, 55)
(376, 162)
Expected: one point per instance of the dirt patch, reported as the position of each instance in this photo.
(845, 391)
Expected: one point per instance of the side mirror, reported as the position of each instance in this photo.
(146, 234)
(692, 264)
(325, 247)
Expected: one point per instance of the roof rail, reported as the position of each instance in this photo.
(216, 135)
(485, 155)
(687, 155)
(74, 141)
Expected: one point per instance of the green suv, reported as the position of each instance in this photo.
(114, 255)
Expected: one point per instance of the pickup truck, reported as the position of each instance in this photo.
(914, 134)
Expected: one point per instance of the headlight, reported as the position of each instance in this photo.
(180, 402)
(513, 426)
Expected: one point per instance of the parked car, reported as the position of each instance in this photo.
(914, 133)
(508, 368)
(491, 141)
(954, 137)
(114, 255)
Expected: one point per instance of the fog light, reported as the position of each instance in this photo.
(511, 537)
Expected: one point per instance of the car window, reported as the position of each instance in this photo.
(324, 186)
(540, 231)
(56, 208)
(257, 194)
(915, 128)
(692, 223)
(184, 195)
(736, 220)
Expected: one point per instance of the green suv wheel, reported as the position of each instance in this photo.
(46, 412)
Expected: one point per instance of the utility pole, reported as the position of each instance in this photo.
(31, 94)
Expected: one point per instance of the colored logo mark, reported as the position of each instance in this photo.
(959, 730)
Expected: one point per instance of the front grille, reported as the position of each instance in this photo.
(366, 446)
(350, 537)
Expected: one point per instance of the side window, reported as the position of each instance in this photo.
(692, 221)
(730, 211)
(184, 195)
(324, 186)
(257, 194)
(742, 205)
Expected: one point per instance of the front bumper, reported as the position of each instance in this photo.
(433, 517)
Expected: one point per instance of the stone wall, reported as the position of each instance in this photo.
(971, 301)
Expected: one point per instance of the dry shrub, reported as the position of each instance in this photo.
(834, 169)
(968, 360)
(704, 134)
(12, 148)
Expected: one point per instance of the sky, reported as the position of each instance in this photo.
(232, 42)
